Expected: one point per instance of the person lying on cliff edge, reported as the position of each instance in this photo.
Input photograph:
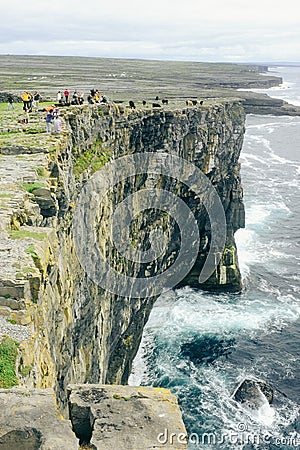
(25, 120)
(50, 109)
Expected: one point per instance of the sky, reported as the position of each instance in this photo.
(195, 30)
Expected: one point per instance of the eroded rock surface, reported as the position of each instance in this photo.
(126, 417)
(29, 420)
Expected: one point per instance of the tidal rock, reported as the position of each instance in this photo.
(253, 393)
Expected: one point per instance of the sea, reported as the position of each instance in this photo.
(201, 345)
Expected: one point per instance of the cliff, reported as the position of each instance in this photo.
(79, 329)
(255, 103)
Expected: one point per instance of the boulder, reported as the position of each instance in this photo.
(29, 420)
(46, 202)
(126, 417)
(253, 393)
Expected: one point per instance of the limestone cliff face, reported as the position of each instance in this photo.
(82, 332)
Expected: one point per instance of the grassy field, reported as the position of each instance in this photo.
(18, 107)
(123, 79)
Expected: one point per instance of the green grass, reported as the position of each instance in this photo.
(25, 371)
(30, 187)
(23, 275)
(31, 251)
(8, 356)
(12, 321)
(41, 171)
(34, 131)
(8, 133)
(93, 159)
(119, 397)
(5, 196)
(23, 234)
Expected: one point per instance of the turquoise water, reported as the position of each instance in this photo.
(201, 345)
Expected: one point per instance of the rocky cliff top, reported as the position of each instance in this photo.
(100, 417)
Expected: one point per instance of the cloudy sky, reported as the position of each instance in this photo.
(210, 30)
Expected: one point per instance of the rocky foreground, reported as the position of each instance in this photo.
(101, 417)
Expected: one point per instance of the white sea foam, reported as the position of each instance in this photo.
(264, 415)
(283, 86)
(139, 369)
(257, 213)
(195, 312)
(279, 159)
(248, 156)
(266, 307)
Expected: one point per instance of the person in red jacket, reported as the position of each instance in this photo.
(66, 94)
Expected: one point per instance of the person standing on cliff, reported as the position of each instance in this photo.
(26, 115)
(66, 94)
(26, 97)
(49, 119)
(36, 100)
(57, 123)
(10, 102)
(59, 97)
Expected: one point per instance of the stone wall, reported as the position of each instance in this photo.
(5, 95)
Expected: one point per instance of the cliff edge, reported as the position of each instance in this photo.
(79, 330)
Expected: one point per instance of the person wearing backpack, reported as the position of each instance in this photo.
(49, 119)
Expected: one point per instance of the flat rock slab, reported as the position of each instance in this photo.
(111, 417)
(29, 420)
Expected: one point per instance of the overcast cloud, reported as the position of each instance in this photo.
(214, 30)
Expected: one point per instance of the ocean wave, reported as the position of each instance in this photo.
(251, 334)
(254, 157)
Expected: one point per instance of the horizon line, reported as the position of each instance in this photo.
(268, 63)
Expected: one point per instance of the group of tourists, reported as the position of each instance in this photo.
(77, 98)
(95, 97)
(63, 98)
(30, 101)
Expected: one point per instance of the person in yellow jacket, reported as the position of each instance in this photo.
(27, 100)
